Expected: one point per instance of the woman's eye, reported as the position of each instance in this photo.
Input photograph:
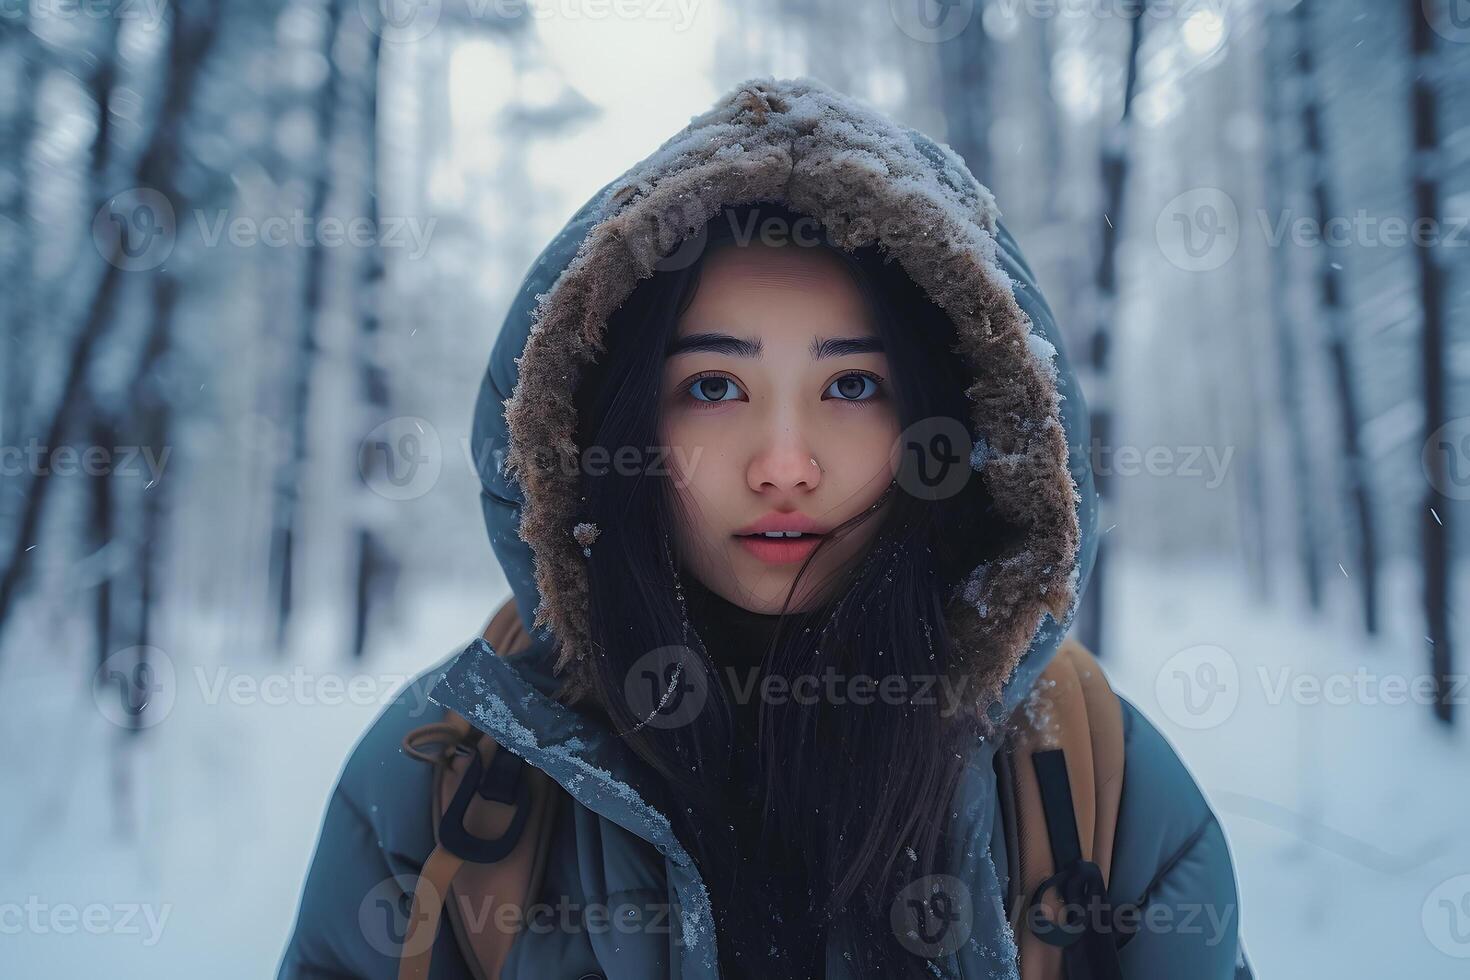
(715, 389)
(853, 387)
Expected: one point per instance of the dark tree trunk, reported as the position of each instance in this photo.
(152, 409)
(286, 523)
(964, 84)
(373, 562)
(1305, 491)
(1354, 465)
(1114, 182)
(103, 428)
(1051, 129)
(99, 539)
(17, 45)
(1435, 519)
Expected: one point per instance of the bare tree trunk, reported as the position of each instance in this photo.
(100, 86)
(1355, 467)
(286, 524)
(188, 48)
(21, 54)
(1114, 182)
(99, 534)
(102, 420)
(374, 561)
(1051, 152)
(964, 88)
(1435, 518)
(1278, 119)
(151, 409)
(134, 595)
(1251, 306)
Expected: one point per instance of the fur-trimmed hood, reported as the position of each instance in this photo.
(867, 179)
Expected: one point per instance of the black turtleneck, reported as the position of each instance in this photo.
(775, 935)
(737, 640)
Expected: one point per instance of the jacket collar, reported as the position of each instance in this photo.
(509, 698)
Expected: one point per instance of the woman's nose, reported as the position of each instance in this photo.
(786, 466)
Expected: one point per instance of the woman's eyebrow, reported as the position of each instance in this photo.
(716, 343)
(842, 346)
(723, 343)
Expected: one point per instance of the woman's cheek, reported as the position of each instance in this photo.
(673, 442)
(870, 443)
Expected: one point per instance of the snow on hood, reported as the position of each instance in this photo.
(867, 179)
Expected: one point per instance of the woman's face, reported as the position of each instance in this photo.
(775, 406)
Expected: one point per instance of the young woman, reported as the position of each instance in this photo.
(788, 477)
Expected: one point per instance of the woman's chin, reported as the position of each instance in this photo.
(765, 593)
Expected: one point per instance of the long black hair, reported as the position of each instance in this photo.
(862, 792)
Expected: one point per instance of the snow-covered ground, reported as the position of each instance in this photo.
(228, 788)
(1346, 816)
(1344, 803)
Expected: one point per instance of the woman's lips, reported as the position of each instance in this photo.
(779, 551)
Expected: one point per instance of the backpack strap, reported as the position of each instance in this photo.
(1061, 782)
(492, 815)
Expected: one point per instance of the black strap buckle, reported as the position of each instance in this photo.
(1079, 882)
(503, 781)
(1080, 887)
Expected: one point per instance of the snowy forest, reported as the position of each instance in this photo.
(255, 256)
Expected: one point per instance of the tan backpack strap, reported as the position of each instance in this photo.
(428, 906)
(1066, 741)
(505, 633)
(438, 743)
(487, 901)
(485, 891)
(1105, 722)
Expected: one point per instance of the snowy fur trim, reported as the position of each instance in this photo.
(868, 180)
